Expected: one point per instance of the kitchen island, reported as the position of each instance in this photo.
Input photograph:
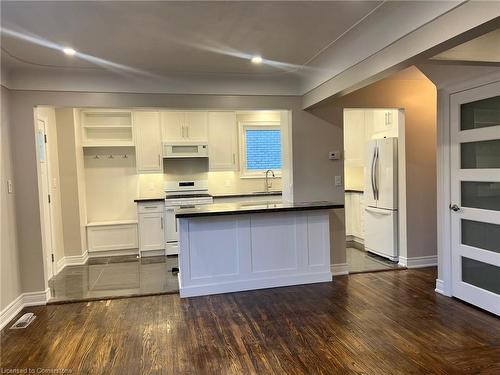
(243, 246)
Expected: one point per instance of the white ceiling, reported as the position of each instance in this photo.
(485, 48)
(199, 46)
(179, 37)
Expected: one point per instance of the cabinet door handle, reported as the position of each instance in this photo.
(149, 207)
(159, 160)
(161, 218)
(234, 158)
(187, 131)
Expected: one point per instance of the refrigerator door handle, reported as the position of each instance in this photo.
(375, 182)
(372, 174)
(379, 211)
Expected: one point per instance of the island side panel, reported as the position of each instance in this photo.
(220, 254)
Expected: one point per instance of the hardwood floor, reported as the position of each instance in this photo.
(372, 323)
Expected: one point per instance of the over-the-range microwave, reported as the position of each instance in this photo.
(185, 150)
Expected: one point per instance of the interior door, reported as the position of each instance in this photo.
(475, 196)
(47, 227)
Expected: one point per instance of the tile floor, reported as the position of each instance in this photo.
(363, 261)
(119, 276)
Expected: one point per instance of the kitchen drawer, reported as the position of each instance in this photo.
(149, 207)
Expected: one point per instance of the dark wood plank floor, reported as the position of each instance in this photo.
(378, 323)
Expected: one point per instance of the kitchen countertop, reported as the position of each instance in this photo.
(244, 195)
(222, 209)
(149, 199)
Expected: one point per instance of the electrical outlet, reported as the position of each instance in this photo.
(338, 180)
(10, 188)
(334, 155)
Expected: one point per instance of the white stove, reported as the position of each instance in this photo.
(181, 194)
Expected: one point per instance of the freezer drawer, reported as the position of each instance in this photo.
(381, 232)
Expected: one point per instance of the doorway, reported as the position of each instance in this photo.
(375, 203)
(47, 214)
(475, 196)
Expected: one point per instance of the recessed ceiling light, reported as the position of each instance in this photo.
(256, 59)
(69, 51)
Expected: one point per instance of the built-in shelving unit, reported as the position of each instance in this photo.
(107, 128)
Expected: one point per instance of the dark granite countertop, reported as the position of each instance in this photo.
(249, 195)
(220, 209)
(149, 199)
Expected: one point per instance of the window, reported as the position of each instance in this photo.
(261, 149)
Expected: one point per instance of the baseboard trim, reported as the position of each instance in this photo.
(339, 269)
(418, 262)
(110, 253)
(24, 300)
(253, 284)
(71, 260)
(441, 288)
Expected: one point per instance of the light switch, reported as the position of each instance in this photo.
(338, 180)
(10, 188)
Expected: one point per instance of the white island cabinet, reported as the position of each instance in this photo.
(235, 247)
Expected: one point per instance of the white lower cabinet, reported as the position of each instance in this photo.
(354, 216)
(151, 227)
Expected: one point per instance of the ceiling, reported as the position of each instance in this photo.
(485, 48)
(171, 38)
(204, 47)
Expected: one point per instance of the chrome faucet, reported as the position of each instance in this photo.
(269, 185)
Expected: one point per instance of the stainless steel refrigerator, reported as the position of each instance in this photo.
(381, 198)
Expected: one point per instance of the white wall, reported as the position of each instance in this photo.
(10, 271)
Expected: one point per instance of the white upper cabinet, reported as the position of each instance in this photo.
(147, 134)
(172, 125)
(354, 137)
(184, 126)
(196, 126)
(222, 141)
(385, 123)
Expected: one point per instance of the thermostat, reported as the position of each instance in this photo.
(334, 155)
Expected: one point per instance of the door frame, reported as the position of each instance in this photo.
(444, 244)
(402, 211)
(43, 200)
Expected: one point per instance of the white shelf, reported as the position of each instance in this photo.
(115, 144)
(106, 126)
(112, 222)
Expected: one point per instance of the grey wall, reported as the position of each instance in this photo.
(418, 99)
(10, 276)
(312, 139)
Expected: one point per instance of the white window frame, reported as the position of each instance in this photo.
(255, 125)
